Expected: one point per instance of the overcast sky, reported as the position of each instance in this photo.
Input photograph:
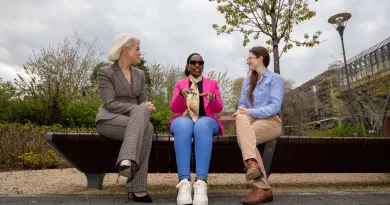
(170, 30)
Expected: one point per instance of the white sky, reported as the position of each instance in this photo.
(171, 30)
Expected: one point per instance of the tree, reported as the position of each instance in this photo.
(288, 85)
(163, 79)
(231, 104)
(274, 18)
(224, 83)
(298, 110)
(55, 75)
(93, 77)
(142, 65)
(372, 96)
(8, 95)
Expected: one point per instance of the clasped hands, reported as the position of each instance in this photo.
(150, 106)
(185, 91)
(241, 111)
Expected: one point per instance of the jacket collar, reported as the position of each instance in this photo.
(121, 76)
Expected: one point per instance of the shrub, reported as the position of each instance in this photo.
(342, 130)
(22, 145)
(40, 160)
(81, 112)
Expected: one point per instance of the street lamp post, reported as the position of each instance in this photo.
(339, 21)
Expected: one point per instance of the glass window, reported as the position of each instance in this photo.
(379, 55)
(362, 67)
(386, 56)
(368, 65)
(356, 66)
(373, 60)
(385, 51)
(358, 70)
(368, 61)
(339, 75)
(351, 72)
(350, 69)
(387, 64)
(363, 62)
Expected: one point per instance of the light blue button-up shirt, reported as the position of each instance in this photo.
(268, 95)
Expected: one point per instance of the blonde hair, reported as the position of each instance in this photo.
(120, 40)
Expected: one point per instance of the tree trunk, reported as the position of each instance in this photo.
(275, 48)
(275, 51)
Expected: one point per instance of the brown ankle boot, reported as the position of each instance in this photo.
(258, 196)
(253, 171)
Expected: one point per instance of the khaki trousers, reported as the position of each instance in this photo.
(250, 132)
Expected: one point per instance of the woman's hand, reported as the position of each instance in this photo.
(185, 91)
(236, 113)
(150, 106)
(241, 111)
(210, 96)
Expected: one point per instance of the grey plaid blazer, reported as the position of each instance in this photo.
(117, 94)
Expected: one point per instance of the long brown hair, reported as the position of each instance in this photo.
(254, 76)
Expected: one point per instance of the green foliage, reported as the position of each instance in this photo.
(14, 108)
(370, 99)
(8, 94)
(143, 66)
(93, 77)
(342, 130)
(40, 160)
(160, 118)
(81, 112)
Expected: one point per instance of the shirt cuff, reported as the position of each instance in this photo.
(252, 113)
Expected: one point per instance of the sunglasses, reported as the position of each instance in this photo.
(193, 62)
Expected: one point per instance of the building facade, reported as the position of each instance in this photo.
(316, 103)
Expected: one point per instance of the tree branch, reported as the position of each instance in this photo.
(238, 9)
(289, 20)
(259, 25)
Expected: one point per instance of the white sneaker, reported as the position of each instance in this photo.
(184, 192)
(200, 193)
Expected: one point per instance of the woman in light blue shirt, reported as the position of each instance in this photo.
(257, 120)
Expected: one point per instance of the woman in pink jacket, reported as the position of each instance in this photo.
(195, 101)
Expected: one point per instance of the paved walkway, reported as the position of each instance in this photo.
(220, 199)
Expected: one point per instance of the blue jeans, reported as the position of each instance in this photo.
(203, 130)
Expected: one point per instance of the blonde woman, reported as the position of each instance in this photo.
(125, 113)
(257, 120)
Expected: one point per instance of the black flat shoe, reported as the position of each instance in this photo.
(142, 199)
